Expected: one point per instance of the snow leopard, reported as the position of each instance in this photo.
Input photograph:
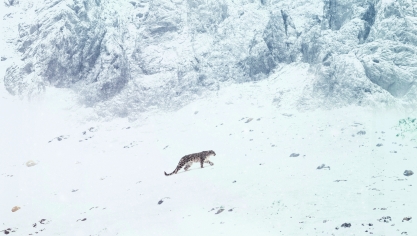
(188, 160)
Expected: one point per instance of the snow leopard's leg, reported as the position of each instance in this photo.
(188, 165)
(202, 162)
(211, 163)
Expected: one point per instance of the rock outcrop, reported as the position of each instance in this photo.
(130, 56)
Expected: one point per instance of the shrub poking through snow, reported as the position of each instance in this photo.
(407, 126)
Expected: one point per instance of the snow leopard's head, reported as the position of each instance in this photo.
(211, 153)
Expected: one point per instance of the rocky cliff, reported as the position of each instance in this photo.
(129, 56)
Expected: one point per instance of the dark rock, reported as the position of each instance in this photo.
(361, 132)
(408, 173)
(346, 225)
(407, 219)
(322, 166)
(219, 211)
(294, 155)
(92, 129)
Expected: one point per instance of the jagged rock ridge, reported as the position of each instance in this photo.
(132, 55)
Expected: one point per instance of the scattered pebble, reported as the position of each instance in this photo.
(60, 138)
(162, 200)
(31, 163)
(249, 120)
(15, 208)
(294, 155)
(219, 211)
(379, 145)
(132, 144)
(385, 219)
(361, 132)
(43, 221)
(322, 166)
(92, 129)
(408, 173)
(346, 225)
(407, 218)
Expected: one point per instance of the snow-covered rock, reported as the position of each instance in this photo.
(128, 56)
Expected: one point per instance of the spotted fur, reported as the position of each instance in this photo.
(188, 160)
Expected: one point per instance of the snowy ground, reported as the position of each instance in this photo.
(106, 178)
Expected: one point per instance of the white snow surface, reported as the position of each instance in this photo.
(106, 177)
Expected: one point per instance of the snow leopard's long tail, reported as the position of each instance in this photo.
(179, 166)
(169, 174)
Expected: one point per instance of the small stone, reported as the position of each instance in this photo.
(379, 145)
(249, 120)
(346, 225)
(15, 208)
(160, 202)
(407, 218)
(219, 211)
(30, 163)
(294, 155)
(408, 173)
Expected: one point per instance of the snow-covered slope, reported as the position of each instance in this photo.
(277, 171)
(130, 56)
